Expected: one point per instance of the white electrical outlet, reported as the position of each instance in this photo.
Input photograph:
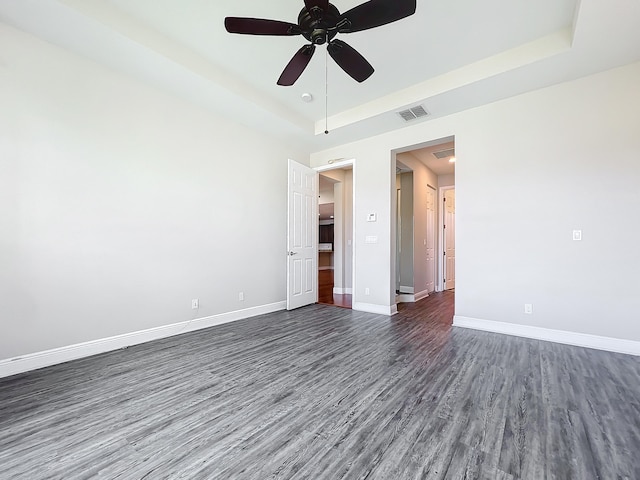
(195, 303)
(366, 291)
(528, 308)
(577, 235)
(241, 296)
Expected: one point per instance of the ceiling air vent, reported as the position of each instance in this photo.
(413, 113)
(450, 152)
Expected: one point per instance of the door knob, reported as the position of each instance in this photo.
(291, 254)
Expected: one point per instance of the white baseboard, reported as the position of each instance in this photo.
(421, 295)
(406, 289)
(373, 308)
(33, 361)
(342, 291)
(609, 344)
(405, 298)
(325, 268)
(412, 297)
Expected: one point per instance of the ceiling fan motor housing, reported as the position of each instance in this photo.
(317, 25)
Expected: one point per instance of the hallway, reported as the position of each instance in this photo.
(325, 291)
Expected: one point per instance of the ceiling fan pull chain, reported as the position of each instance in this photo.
(326, 90)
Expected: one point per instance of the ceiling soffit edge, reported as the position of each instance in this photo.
(545, 47)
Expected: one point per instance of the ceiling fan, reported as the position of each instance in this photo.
(319, 22)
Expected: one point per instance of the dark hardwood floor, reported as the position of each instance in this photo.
(328, 393)
(325, 291)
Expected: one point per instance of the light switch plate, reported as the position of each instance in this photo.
(372, 217)
(577, 235)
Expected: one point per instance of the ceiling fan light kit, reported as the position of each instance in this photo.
(319, 22)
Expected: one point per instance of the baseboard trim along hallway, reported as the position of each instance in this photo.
(34, 361)
(609, 344)
(388, 310)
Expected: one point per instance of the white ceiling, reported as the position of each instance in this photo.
(451, 55)
(439, 166)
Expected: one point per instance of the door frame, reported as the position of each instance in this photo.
(441, 246)
(434, 226)
(339, 165)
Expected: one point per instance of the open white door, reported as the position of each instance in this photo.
(302, 239)
(450, 239)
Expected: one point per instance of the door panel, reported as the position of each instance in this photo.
(450, 239)
(302, 242)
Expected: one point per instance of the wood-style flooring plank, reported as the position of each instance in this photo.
(328, 393)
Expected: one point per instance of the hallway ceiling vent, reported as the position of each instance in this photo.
(450, 152)
(413, 113)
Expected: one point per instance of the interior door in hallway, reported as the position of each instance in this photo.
(450, 239)
(302, 238)
(431, 239)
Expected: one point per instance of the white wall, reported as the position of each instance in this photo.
(348, 230)
(529, 170)
(119, 204)
(326, 196)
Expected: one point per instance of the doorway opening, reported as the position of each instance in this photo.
(447, 276)
(404, 232)
(335, 234)
(425, 255)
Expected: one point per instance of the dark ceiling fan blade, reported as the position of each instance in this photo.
(350, 60)
(260, 26)
(296, 66)
(375, 13)
(323, 4)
